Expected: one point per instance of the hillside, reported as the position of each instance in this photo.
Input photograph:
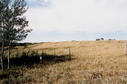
(93, 62)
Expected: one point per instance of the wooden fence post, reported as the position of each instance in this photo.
(16, 52)
(69, 53)
(42, 56)
(54, 52)
(40, 59)
(125, 48)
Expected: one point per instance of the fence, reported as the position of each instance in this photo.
(57, 52)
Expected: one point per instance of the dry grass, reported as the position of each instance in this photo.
(95, 62)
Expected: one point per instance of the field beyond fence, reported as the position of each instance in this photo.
(92, 62)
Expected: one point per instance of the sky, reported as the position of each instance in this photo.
(63, 20)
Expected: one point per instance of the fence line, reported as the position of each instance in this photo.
(57, 51)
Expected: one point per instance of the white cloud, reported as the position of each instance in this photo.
(80, 15)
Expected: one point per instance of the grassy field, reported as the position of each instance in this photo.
(93, 62)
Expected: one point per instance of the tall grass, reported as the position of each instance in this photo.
(94, 62)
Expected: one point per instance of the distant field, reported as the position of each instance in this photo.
(93, 62)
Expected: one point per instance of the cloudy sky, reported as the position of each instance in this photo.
(60, 20)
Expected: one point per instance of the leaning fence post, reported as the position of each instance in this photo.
(69, 53)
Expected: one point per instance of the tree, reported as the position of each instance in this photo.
(15, 24)
(1, 33)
